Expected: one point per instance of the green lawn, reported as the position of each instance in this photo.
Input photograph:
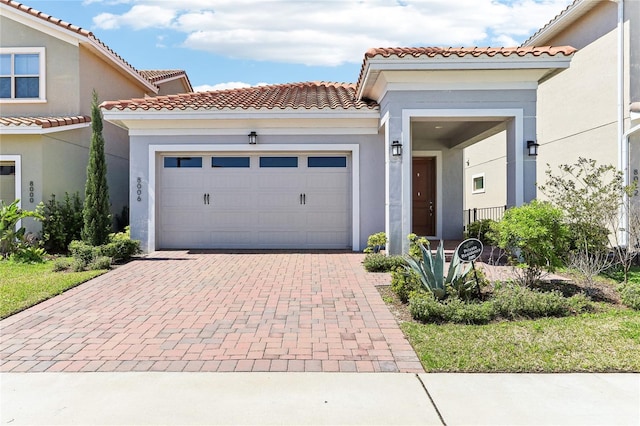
(602, 342)
(24, 285)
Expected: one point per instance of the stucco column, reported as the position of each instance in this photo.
(521, 168)
(393, 195)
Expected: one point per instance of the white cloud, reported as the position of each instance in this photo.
(224, 86)
(334, 32)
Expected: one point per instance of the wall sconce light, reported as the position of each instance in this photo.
(253, 138)
(532, 146)
(396, 149)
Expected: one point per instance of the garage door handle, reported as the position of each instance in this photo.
(206, 198)
(304, 198)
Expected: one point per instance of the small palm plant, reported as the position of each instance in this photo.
(430, 269)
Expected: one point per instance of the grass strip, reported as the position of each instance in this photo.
(24, 285)
(607, 341)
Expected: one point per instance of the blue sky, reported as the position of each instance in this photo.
(237, 43)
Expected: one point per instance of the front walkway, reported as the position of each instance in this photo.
(183, 311)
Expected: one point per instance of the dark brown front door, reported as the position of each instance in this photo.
(424, 196)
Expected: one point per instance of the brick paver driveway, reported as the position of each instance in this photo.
(184, 311)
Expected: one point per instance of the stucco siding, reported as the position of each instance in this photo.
(371, 153)
(62, 71)
(487, 158)
(577, 108)
(172, 86)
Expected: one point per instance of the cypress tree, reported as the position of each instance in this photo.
(95, 214)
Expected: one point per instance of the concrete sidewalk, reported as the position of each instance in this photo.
(319, 398)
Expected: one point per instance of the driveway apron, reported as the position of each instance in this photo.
(211, 311)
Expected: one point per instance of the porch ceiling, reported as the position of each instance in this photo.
(455, 132)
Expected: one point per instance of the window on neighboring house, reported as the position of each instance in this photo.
(22, 74)
(477, 183)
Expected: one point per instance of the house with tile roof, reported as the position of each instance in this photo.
(589, 110)
(48, 70)
(323, 165)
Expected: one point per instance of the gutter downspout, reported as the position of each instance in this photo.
(623, 138)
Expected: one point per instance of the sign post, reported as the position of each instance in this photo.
(468, 251)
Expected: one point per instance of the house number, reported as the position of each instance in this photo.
(635, 179)
(31, 191)
(139, 187)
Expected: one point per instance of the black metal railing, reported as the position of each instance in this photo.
(474, 215)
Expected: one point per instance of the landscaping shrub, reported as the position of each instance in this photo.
(376, 242)
(100, 262)
(404, 282)
(536, 238)
(12, 239)
(515, 301)
(630, 295)
(425, 308)
(482, 230)
(62, 222)
(61, 264)
(414, 245)
(120, 246)
(28, 254)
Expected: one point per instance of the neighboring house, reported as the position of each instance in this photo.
(323, 165)
(48, 70)
(588, 110)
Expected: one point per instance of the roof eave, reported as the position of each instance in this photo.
(39, 130)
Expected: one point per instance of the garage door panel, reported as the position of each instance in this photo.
(236, 200)
(326, 181)
(180, 178)
(189, 199)
(254, 207)
(327, 239)
(223, 180)
(281, 179)
(239, 220)
(231, 239)
(185, 239)
(269, 200)
(284, 239)
(281, 220)
(327, 220)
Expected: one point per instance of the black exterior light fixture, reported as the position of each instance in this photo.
(253, 138)
(396, 149)
(532, 146)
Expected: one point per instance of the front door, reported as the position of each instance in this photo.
(424, 196)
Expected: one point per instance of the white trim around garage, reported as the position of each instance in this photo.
(353, 149)
(17, 160)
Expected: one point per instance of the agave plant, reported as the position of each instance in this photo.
(430, 269)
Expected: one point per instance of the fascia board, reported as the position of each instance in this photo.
(233, 115)
(417, 64)
(38, 130)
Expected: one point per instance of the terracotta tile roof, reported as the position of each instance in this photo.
(158, 75)
(67, 26)
(432, 52)
(43, 122)
(309, 95)
(446, 52)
